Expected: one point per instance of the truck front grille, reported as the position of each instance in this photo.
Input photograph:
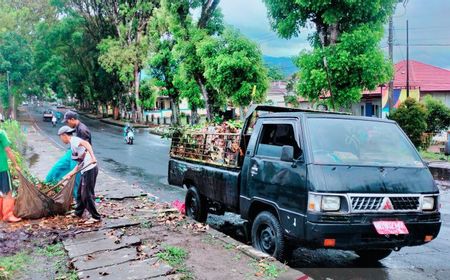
(405, 203)
(361, 203)
(385, 203)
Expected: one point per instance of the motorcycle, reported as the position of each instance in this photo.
(129, 137)
(54, 120)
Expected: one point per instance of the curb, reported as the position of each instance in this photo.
(89, 116)
(107, 121)
(289, 274)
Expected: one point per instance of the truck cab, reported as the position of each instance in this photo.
(320, 181)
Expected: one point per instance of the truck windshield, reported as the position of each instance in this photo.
(359, 142)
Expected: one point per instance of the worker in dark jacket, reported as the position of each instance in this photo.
(66, 163)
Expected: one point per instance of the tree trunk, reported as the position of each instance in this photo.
(116, 112)
(206, 98)
(175, 111)
(194, 116)
(13, 106)
(241, 113)
(136, 92)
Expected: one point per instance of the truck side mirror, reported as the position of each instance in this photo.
(287, 154)
(447, 148)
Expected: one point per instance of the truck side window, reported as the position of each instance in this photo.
(274, 137)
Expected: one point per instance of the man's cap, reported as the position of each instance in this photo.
(65, 129)
(70, 115)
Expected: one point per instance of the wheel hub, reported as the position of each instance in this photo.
(267, 240)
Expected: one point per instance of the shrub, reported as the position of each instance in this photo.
(412, 118)
(438, 117)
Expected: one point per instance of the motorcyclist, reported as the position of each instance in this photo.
(54, 120)
(127, 129)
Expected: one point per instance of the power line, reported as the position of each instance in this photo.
(425, 45)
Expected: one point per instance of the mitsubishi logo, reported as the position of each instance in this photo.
(387, 205)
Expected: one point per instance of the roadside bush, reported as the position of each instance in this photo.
(15, 135)
(18, 145)
(438, 117)
(412, 118)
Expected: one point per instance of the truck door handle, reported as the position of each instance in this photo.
(254, 170)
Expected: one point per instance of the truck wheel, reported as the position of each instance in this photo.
(373, 255)
(196, 205)
(267, 235)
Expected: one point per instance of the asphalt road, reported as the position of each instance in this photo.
(145, 164)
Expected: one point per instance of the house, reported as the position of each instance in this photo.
(424, 79)
(276, 93)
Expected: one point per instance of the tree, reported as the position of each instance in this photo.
(189, 36)
(234, 67)
(18, 20)
(412, 118)
(438, 117)
(346, 58)
(163, 63)
(126, 52)
(274, 73)
(15, 64)
(354, 64)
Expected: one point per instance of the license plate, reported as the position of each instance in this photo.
(390, 227)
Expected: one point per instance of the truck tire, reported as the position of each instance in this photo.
(196, 205)
(370, 256)
(267, 236)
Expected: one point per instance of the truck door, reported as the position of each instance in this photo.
(280, 183)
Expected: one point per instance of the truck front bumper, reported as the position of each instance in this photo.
(360, 233)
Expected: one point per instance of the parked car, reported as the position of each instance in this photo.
(47, 116)
(314, 179)
(60, 106)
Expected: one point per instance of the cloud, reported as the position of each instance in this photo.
(250, 17)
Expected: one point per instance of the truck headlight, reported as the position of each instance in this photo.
(428, 203)
(331, 203)
(323, 203)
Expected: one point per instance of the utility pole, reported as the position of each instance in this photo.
(391, 57)
(407, 60)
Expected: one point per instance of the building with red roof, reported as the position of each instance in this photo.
(424, 79)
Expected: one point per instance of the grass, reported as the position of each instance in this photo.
(266, 270)
(176, 257)
(70, 275)
(146, 224)
(56, 250)
(12, 264)
(228, 246)
(432, 156)
(56, 255)
(271, 271)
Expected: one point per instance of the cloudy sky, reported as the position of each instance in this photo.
(429, 23)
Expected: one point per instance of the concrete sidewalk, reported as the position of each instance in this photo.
(132, 234)
(94, 253)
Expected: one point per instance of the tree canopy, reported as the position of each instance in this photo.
(346, 58)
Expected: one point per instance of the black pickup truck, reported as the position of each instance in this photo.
(312, 179)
